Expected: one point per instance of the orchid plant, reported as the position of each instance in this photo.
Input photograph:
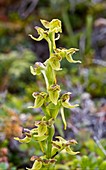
(51, 101)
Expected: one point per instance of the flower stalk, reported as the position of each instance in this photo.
(51, 101)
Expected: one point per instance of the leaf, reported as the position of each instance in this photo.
(36, 166)
(63, 118)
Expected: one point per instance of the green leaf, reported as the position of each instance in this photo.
(36, 166)
(63, 117)
(103, 165)
(54, 91)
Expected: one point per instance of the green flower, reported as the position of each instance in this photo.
(39, 99)
(62, 144)
(53, 26)
(65, 101)
(63, 52)
(42, 128)
(49, 35)
(38, 68)
(42, 34)
(54, 91)
(54, 61)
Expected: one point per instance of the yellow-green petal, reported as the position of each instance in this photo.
(24, 140)
(61, 139)
(54, 91)
(37, 69)
(40, 138)
(65, 101)
(69, 151)
(55, 26)
(36, 166)
(36, 39)
(39, 99)
(42, 129)
(45, 23)
(71, 60)
(54, 61)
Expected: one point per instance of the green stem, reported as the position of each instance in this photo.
(49, 144)
(51, 42)
(52, 46)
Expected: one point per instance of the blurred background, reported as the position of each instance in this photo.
(84, 27)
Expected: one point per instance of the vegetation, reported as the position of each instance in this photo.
(50, 101)
(83, 27)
